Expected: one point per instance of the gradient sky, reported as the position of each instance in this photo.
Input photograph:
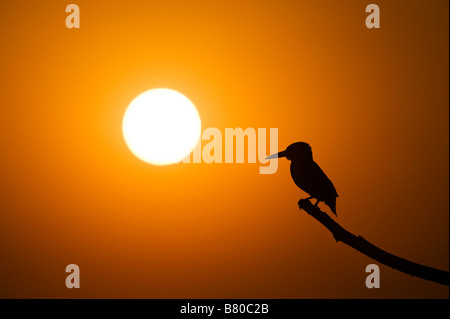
(373, 104)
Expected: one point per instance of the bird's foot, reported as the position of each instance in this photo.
(302, 200)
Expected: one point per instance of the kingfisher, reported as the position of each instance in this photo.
(307, 175)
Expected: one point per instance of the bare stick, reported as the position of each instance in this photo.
(368, 249)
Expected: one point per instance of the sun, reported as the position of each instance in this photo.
(161, 126)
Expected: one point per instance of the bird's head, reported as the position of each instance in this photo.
(295, 151)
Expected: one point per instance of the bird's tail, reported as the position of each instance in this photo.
(332, 204)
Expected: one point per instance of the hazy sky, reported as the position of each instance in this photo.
(372, 103)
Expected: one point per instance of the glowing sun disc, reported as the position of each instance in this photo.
(161, 126)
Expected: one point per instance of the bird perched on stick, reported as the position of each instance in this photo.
(307, 175)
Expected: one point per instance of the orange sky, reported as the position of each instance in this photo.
(373, 104)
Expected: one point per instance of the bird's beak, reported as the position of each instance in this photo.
(276, 155)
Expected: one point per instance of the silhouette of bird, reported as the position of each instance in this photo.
(307, 175)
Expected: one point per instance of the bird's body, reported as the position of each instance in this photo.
(308, 176)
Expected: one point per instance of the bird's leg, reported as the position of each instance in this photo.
(305, 199)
